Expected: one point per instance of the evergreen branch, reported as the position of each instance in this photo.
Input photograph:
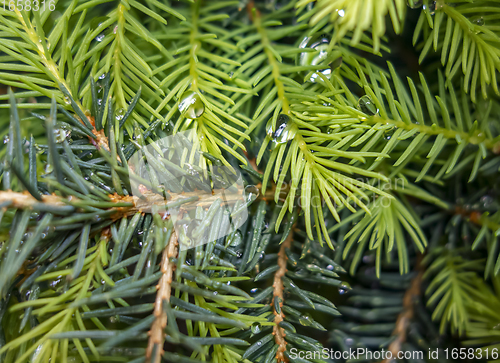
(202, 93)
(120, 206)
(390, 108)
(477, 56)
(156, 334)
(320, 174)
(60, 321)
(476, 137)
(278, 332)
(386, 312)
(356, 16)
(41, 48)
(386, 223)
(453, 289)
(31, 32)
(26, 201)
(485, 318)
(286, 312)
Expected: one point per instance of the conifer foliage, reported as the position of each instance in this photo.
(249, 181)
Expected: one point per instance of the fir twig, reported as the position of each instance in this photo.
(156, 335)
(278, 332)
(124, 205)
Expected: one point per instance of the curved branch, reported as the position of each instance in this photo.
(279, 332)
(123, 205)
(156, 334)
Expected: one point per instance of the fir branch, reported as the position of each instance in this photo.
(42, 59)
(476, 137)
(278, 332)
(154, 350)
(123, 206)
(356, 16)
(453, 289)
(322, 177)
(25, 200)
(468, 41)
(101, 140)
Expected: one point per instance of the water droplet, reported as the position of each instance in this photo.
(342, 291)
(26, 146)
(305, 320)
(6, 139)
(432, 8)
(48, 168)
(67, 100)
(191, 170)
(234, 240)
(301, 272)
(415, 4)
(100, 37)
(119, 114)
(477, 20)
(56, 283)
(315, 58)
(329, 267)
(341, 13)
(191, 105)
(366, 105)
(102, 76)
(254, 291)
(61, 134)
(486, 201)
(256, 328)
(345, 285)
(252, 192)
(283, 133)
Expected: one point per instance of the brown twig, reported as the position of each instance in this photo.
(156, 334)
(147, 204)
(405, 317)
(279, 332)
(26, 200)
(101, 139)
